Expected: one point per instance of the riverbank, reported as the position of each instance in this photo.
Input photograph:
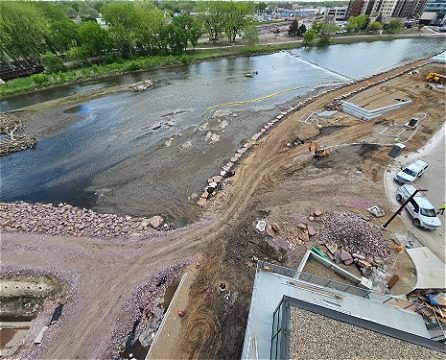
(94, 72)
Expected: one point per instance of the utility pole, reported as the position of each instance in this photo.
(402, 207)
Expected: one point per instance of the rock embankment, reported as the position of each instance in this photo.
(65, 219)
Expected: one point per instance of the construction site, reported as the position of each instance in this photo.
(306, 193)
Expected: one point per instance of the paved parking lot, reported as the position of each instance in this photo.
(434, 181)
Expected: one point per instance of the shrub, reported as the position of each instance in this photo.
(52, 62)
(40, 78)
(185, 60)
(132, 66)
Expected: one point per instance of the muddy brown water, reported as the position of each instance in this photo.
(110, 158)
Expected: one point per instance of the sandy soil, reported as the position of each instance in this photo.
(273, 182)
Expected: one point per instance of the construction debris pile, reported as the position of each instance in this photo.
(351, 238)
(431, 304)
(65, 219)
(12, 135)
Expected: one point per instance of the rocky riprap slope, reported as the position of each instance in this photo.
(65, 219)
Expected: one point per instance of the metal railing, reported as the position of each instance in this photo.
(435, 328)
(323, 282)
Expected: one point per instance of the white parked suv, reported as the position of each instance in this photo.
(419, 207)
(411, 172)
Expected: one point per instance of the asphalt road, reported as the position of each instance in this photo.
(433, 180)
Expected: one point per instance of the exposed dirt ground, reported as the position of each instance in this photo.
(285, 185)
(275, 182)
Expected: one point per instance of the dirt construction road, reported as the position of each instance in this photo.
(270, 181)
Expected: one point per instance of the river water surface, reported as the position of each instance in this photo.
(111, 159)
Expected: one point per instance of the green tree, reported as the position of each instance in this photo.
(76, 53)
(185, 29)
(293, 30)
(309, 37)
(357, 23)
(375, 26)
(176, 39)
(152, 23)
(326, 31)
(316, 26)
(94, 40)
(63, 35)
(212, 17)
(23, 30)
(50, 11)
(125, 21)
(302, 29)
(251, 35)
(261, 7)
(52, 62)
(235, 18)
(395, 26)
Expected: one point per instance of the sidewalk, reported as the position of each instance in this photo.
(434, 179)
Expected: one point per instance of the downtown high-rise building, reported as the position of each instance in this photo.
(387, 8)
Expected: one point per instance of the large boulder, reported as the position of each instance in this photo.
(156, 221)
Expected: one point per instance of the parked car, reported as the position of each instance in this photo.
(419, 208)
(411, 172)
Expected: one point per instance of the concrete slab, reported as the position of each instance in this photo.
(165, 344)
(430, 269)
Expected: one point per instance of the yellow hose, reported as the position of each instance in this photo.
(237, 103)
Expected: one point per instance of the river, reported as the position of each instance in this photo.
(112, 160)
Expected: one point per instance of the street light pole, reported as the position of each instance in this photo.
(402, 207)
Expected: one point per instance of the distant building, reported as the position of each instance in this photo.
(336, 13)
(286, 13)
(434, 13)
(409, 9)
(304, 12)
(296, 315)
(355, 7)
(387, 8)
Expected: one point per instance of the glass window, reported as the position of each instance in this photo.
(279, 318)
(275, 323)
(428, 212)
(279, 337)
(274, 348)
(409, 172)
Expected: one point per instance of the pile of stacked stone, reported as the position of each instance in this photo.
(350, 238)
(65, 219)
(141, 86)
(16, 139)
